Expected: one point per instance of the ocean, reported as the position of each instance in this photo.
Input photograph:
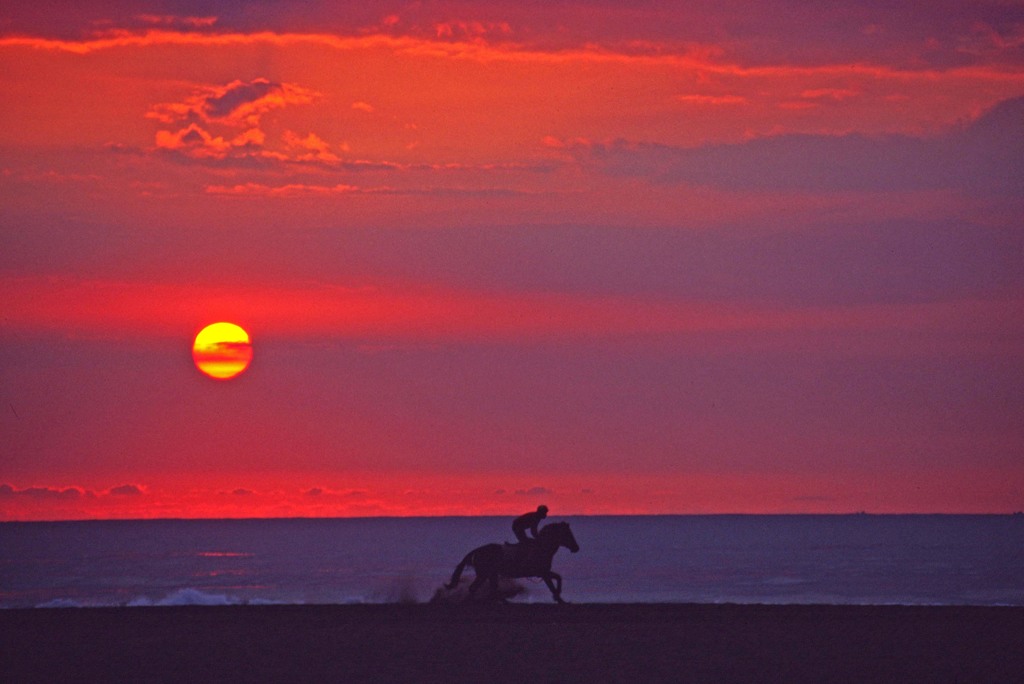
(783, 559)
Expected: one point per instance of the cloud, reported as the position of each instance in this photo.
(223, 122)
(239, 103)
(713, 100)
(533, 491)
(301, 190)
(176, 21)
(310, 148)
(986, 156)
(221, 126)
(223, 352)
(337, 493)
(985, 40)
(251, 150)
(244, 102)
(242, 492)
(126, 490)
(837, 94)
(40, 493)
(471, 30)
(196, 143)
(289, 190)
(766, 35)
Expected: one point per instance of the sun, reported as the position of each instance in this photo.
(222, 350)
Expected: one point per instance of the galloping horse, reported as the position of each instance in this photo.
(519, 560)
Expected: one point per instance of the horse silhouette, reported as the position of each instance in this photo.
(492, 561)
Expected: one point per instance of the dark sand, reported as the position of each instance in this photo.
(515, 643)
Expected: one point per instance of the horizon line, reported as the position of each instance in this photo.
(498, 515)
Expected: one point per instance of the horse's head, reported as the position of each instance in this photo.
(560, 534)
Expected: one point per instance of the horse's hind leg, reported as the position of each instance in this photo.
(494, 588)
(479, 580)
(554, 582)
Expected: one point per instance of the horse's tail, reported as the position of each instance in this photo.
(468, 560)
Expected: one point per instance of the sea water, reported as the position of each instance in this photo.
(833, 559)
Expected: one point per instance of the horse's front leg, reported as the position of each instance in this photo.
(554, 582)
(495, 593)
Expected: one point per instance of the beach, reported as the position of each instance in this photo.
(515, 643)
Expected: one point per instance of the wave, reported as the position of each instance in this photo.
(182, 597)
(60, 603)
(187, 597)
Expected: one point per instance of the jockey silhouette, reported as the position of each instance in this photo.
(528, 521)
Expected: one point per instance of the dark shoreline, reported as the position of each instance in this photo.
(515, 643)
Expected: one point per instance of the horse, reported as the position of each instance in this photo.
(519, 560)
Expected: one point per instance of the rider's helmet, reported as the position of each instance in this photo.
(543, 510)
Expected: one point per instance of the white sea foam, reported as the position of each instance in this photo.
(186, 597)
(269, 602)
(60, 603)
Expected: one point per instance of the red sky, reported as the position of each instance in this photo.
(612, 257)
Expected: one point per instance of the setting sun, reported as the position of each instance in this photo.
(222, 350)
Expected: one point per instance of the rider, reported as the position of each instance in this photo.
(528, 521)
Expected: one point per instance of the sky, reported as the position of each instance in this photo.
(616, 258)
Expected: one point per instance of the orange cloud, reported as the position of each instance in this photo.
(297, 190)
(238, 103)
(289, 190)
(313, 147)
(464, 117)
(699, 58)
(194, 138)
(713, 100)
(837, 94)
